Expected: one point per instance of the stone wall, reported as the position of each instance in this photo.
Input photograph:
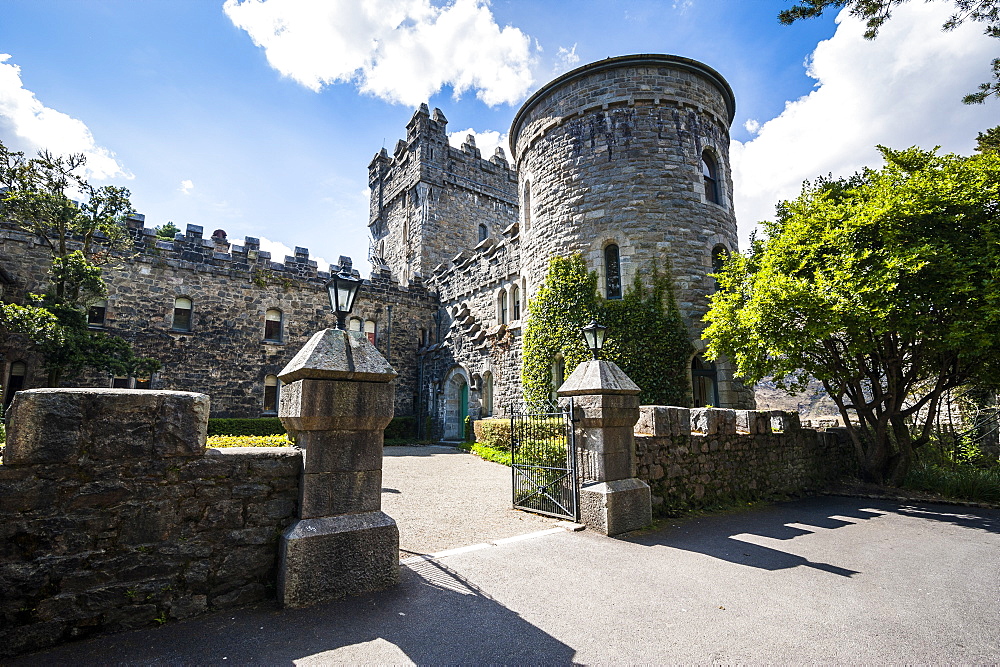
(700, 457)
(113, 515)
(231, 286)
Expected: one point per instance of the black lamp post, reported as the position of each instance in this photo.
(343, 288)
(593, 334)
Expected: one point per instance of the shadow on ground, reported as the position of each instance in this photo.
(435, 616)
(720, 536)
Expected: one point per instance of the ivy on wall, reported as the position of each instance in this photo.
(646, 336)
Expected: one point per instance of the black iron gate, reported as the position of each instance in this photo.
(543, 462)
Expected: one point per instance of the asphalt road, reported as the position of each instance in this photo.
(832, 580)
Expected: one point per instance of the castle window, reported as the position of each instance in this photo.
(272, 325)
(370, 331)
(705, 388)
(483, 233)
(119, 382)
(719, 257)
(710, 174)
(487, 394)
(96, 314)
(182, 314)
(502, 307)
(515, 302)
(355, 324)
(612, 272)
(15, 381)
(558, 375)
(526, 205)
(271, 388)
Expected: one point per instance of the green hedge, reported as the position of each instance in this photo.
(401, 428)
(256, 426)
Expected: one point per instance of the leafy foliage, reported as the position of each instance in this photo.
(646, 336)
(876, 12)
(883, 286)
(260, 426)
(218, 441)
(989, 141)
(167, 231)
(80, 237)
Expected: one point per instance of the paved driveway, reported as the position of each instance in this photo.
(833, 580)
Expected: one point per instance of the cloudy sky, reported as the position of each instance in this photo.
(260, 116)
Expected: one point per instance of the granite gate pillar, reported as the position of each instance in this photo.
(337, 401)
(606, 407)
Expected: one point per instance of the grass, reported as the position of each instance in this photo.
(957, 482)
(487, 453)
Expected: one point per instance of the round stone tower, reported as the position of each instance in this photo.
(626, 161)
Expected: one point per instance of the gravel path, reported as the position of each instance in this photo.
(444, 498)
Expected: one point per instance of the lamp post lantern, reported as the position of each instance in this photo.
(593, 334)
(343, 288)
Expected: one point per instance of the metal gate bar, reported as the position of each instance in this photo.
(543, 463)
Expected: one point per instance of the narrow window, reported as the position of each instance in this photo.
(710, 173)
(96, 313)
(558, 375)
(704, 387)
(355, 324)
(370, 331)
(526, 204)
(272, 325)
(182, 314)
(487, 394)
(483, 233)
(15, 381)
(271, 394)
(502, 307)
(719, 257)
(612, 272)
(515, 302)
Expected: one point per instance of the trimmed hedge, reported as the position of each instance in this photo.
(401, 428)
(493, 433)
(255, 426)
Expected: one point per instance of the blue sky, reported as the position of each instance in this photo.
(260, 118)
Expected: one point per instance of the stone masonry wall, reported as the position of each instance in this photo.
(113, 515)
(231, 287)
(699, 457)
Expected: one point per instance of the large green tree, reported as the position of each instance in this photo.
(876, 12)
(83, 227)
(884, 286)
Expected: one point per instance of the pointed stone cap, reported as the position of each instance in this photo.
(598, 377)
(333, 354)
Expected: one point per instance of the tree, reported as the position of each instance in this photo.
(989, 141)
(35, 195)
(166, 231)
(877, 12)
(884, 286)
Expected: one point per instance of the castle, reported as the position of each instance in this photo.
(624, 160)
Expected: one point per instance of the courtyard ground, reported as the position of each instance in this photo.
(833, 580)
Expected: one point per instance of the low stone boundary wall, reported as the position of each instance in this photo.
(113, 515)
(699, 457)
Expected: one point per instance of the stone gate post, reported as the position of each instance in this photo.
(606, 407)
(337, 402)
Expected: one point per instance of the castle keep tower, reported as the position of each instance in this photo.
(430, 200)
(626, 161)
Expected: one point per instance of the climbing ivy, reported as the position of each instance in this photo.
(646, 335)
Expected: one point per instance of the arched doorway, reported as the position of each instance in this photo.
(456, 405)
(704, 382)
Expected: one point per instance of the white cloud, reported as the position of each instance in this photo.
(187, 185)
(28, 125)
(683, 5)
(403, 51)
(752, 126)
(279, 250)
(566, 59)
(487, 142)
(900, 90)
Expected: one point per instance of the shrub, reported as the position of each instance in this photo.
(248, 441)
(961, 482)
(493, 433)
(401, 428)
(257, 426)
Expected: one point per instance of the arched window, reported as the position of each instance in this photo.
(704, 385)
(272, 325)
(710, 174)
(502, 307)
(355, 324)
(719, 257)
(96, 314)
(487, 394)
(483, 232)
(515, 302)
(612, 272)
(271, 389)
(526, 205)
(182, 314)
(15, 381)
(370, 330)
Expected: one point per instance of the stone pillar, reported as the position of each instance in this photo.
(606, 408)
(337, 401)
